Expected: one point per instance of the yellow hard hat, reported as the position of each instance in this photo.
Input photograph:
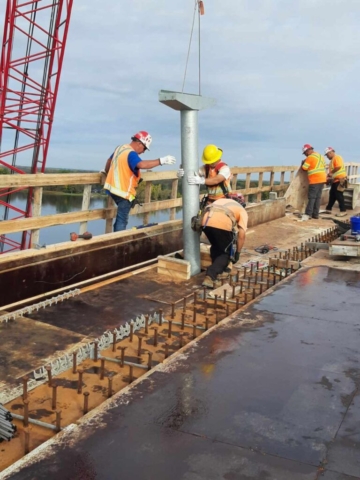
(211, 154)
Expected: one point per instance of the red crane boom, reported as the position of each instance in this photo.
(32, 54)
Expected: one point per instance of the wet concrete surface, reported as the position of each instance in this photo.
(271, 394)
(109, 306)
(25, 343)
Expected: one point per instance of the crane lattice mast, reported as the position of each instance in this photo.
(32, 54)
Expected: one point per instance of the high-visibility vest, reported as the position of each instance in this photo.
(335, 162)
(120, 180)
(221, 189)
(315, 167)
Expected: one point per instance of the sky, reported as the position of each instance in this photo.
(283, 73)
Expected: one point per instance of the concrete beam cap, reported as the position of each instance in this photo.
(185, 101)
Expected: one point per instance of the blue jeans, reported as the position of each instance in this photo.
(122, 216)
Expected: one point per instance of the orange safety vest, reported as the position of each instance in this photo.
(120, 180)
(221, 189)
(315, 167)
(337, 161)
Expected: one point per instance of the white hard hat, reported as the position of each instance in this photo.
(328, 150)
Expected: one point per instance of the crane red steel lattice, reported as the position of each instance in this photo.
(32, 54)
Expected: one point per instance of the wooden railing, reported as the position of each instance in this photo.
(257, 181)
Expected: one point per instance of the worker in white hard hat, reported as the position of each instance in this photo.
(215, 174)
(122, 172)
(314, 165)
(337, 177)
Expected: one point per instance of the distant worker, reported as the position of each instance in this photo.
(338, 178)
(122, 172)
(216, 175)
(224, 223)
(314, 165)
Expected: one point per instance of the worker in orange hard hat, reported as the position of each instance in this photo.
(337, 176)
(215, 174)
(314, 165)
(122, 172)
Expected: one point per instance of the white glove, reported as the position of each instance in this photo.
(103, 172)
(195, 179)
(180, 173)
(168, 160)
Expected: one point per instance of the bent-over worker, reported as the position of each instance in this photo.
(123, 174)
(338, 178)
(215, 174)
(314, 165)
(224, 223)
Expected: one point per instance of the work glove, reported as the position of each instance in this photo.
(195, 179)
(103, 172)
(180, 173)
(237, 257)
(168, 160)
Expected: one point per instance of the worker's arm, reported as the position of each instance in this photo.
(240, 240)
(107, 166)
(148, 164)
(215, 180)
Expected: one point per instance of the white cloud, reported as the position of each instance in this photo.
(283, 72)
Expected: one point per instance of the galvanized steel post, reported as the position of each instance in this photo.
(190, 193)
(188, 105)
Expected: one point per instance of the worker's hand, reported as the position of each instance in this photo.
(168, 160)
(180, 173)
(237, 256)
(195, 179)
(103, 172)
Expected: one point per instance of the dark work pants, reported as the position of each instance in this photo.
(314, 199)
(336, 195)
(220, 249)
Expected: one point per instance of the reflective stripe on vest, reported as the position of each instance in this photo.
(340, 173)
(221, 189)
(320, 164)
(120, 180)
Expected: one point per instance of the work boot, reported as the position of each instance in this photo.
(341, 214)
(208, 282)
(223, 275)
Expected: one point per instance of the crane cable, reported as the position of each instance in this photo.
(199, 6)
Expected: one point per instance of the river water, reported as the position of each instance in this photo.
(53, 203)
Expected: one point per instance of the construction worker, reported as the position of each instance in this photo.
(123, 176)
(338, 178)
(224, 223)
(314, 165)
(215, 174)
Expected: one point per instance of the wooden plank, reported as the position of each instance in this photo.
(174, 266)
(296, 194)
(147, 199)
(344, 250)
(174, 263)
(242, 170)
(174, 190)
(12, 226)
(260, 184)
(36, 212)
(85, 206)
(108, 222)
(48, 179)
(173, 274)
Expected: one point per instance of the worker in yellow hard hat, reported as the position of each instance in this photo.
(215, 174)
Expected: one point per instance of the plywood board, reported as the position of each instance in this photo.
(296, 194)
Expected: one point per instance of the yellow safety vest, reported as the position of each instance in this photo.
(315, 167)
(337, 161)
